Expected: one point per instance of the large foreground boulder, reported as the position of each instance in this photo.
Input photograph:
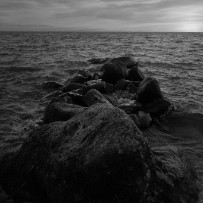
(99, 155)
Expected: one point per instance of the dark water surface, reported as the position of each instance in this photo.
(28, 59)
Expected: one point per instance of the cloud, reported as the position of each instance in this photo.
(113, 15)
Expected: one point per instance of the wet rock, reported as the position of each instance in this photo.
(93, 96)
(51, 85)
(102, 87)
(73, 86)
(92, 157)
(112, 72)
(134, 74)
(60, 111)
(144, 119)
(99, 155)
(149, 91)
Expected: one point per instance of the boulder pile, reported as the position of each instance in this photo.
(91, 147)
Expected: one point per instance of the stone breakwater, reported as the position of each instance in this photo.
(93, 144)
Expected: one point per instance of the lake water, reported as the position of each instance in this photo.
(28, 59)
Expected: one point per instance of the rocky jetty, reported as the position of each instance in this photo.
(93, 145)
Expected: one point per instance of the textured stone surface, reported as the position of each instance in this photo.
(98, 155)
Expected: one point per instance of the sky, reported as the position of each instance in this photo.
(102, 15)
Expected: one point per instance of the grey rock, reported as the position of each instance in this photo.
(99, 155)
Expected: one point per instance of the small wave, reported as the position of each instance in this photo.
(23, 69)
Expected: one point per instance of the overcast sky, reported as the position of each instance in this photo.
(102, 15)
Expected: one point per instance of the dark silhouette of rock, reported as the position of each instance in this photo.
(99, 155)
(60, 111)
(93, 96)
(149, 91)
(73, 86)
(134, 74)
(112, 72)
(51, 85)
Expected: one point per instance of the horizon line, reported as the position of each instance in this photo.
(97, 31)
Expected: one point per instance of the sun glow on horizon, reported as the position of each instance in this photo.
(190, 27)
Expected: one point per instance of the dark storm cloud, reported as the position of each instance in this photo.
(131, 15)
